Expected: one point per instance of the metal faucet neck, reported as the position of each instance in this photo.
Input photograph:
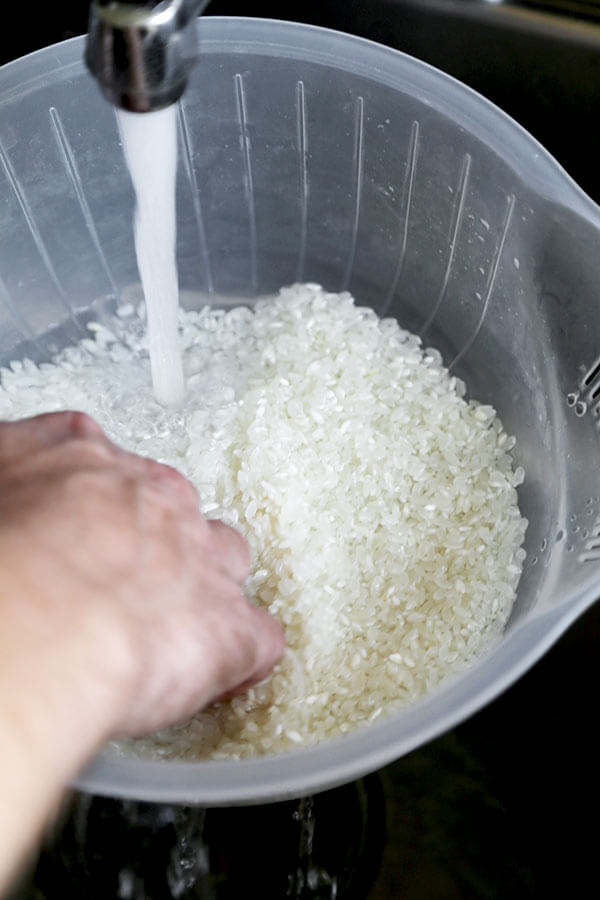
(141, 53)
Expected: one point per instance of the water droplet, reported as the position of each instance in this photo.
(572, 399)
(544, 545)
(559, 535)
(534, 561)
(580, 408)
(575, 529)
(570, 548)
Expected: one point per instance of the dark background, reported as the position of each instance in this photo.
(503, 806)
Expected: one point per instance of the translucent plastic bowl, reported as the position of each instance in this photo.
(309, 155)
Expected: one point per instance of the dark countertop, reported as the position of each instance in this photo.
(503, 805)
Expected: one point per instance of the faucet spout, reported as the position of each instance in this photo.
(141, 53)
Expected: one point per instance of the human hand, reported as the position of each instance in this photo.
(105, 556)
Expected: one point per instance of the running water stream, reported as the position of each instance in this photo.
(150, 147)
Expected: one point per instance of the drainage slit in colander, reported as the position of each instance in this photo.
(303, 164)
(68, 158)
(358, 181)
(455, 226)
(240, 96)
(188, 165)
(589, 556)
(592, 374)
(492, 276)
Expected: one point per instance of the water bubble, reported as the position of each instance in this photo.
(580, 408)
(572, 399)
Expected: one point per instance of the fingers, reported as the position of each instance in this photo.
(231, 551)
(122, 538)
(27, 436)
(272, 643)
(271, 637)
(227, 549)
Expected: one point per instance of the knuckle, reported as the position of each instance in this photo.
(171, 479)
(83, 425)
(232, 546)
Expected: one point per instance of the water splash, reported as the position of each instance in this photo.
(309, 881)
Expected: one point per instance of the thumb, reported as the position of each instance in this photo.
(27, 436)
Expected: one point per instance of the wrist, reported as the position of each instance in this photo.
(59, 690)
(63, 681)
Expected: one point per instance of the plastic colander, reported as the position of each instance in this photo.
(308, 155)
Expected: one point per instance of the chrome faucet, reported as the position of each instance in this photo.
(141, 53)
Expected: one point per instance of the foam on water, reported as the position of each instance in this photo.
(150, 146)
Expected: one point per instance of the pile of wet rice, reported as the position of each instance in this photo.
(379, 503)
